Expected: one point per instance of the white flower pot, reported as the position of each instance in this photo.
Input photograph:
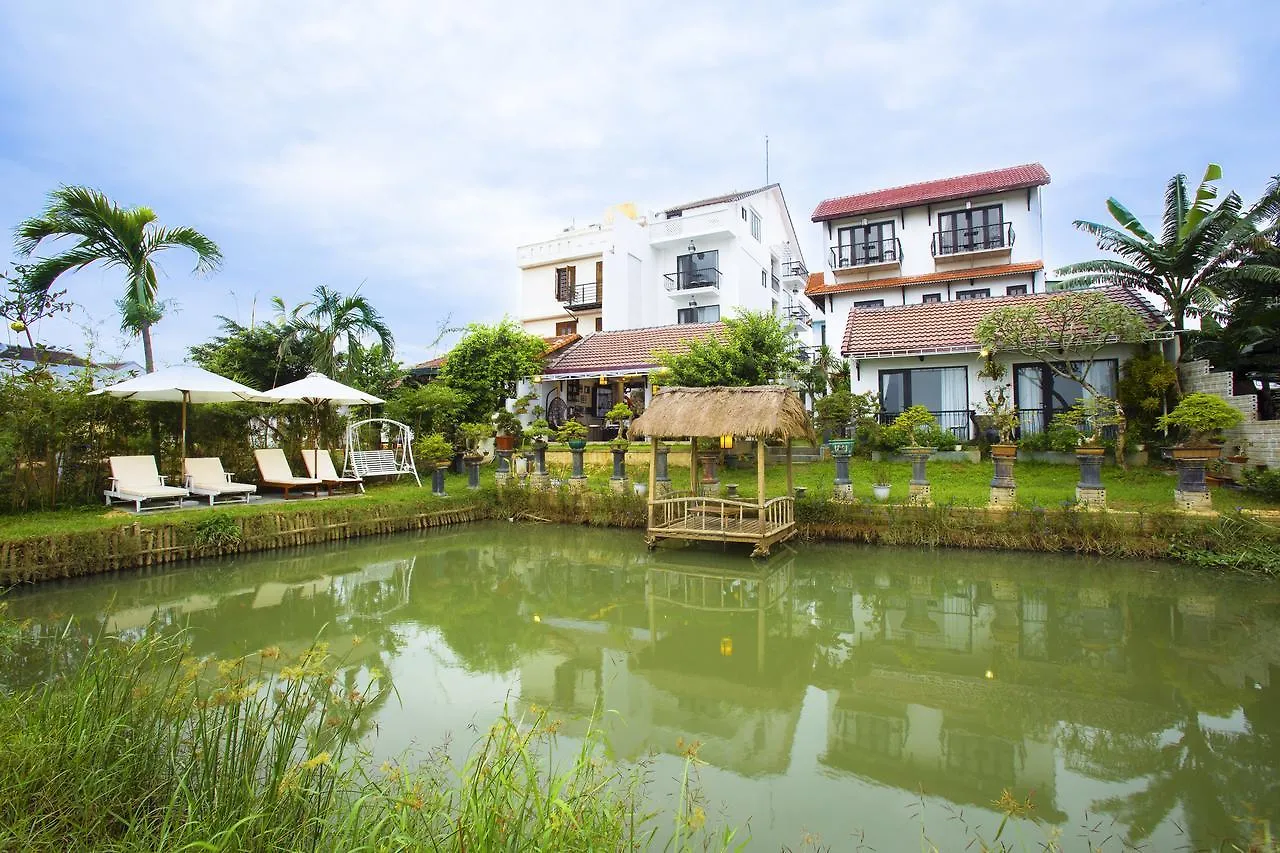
(881, 492)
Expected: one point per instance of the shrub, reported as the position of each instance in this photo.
(834, 411)
(1265, 483)
(539, 430)
(572, 431)
(433, 448)
(917, 421)
(1201, 417)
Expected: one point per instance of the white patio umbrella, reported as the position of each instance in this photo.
(183, 384)
(317, 390)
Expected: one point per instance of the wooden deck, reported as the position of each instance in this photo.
(722, 520)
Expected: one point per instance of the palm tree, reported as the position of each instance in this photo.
(1198, 255)
(103, 231)
(331, 327)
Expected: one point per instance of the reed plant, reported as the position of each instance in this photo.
(143, 747)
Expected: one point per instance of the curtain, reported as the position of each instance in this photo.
(955, 389)
(1030, 398)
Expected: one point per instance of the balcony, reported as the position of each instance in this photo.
(794, 274)
(996, 237)
(718, 222)
(582, 297)
(687, 281)
(799, 315)
(874, 253)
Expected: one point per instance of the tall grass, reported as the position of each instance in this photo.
(142, 747)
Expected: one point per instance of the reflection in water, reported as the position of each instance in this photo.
(827, 688)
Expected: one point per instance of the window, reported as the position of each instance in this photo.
(984, 293)
(566, 278)
(821, 327)
(932, 297)
(764, 278)
(1016, 290)
(697, 270)
(755, 225)
(1039, 393)
(744, 213)
(698, 314)
(869, 303)
(942, 390)
(599, 324)
(569, 327)
(859, 245)
(970, 230)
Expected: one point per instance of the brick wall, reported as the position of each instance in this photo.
(1261, 438)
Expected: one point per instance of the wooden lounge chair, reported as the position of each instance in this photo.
(135, 479)
(275, 472)
(206, 478)
(320, 464)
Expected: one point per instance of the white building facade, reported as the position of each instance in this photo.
(693, 263)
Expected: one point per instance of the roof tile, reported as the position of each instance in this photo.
(719, 199)
(946, 189)
(629, 349)
(949, 326)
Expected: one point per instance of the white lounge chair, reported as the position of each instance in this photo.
(275, 471)
(320, 464)
(136, 480)
(205, 477)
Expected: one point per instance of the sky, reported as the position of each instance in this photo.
(406, 148)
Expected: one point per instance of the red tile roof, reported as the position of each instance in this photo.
(629, 349)
(824, 287)
(949, 326)
(947, 189)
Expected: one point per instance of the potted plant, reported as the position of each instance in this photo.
(880, 485)
(436, 451)
(1241, 455)
(539, 432)
(507, 426)
(620, 416)
(472, 434)
(1201, 418)
(574, 434)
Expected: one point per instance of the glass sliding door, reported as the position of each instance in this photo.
(699, 269)
(944, 391)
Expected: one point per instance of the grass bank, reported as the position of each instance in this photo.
(41, 546)
(142, 747)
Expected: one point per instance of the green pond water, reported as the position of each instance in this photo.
(838, 692)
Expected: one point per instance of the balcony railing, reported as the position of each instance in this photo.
(583, 296)
(886, 251)
(799, 314)
(692, 279)
(980, 238)
(793, 268)
(956, 421)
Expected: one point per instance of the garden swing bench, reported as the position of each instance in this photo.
(386, 462)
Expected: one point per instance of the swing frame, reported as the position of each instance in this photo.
(388, 462)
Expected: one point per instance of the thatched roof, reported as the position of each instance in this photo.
(771, 411)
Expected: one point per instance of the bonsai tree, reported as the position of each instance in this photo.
(1202, 417)
(433, 448)
(572, 431)
(834, 411)
(473, 434)
(918, 424)
(1001, 413)
(507, 423)
(621, 415)
(539, 431)
(1090, 416)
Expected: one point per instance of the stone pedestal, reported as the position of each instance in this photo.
(1004, 497)
(841, 450)
(503, 475)
(1004, 491)
(619, 465)
(437, 482)
(710, 483)
(575, 454)
(919, 491)
(539, 480)
(473, 472)
(540, 458)
(919, 494)
(621, 486)
(1090, 492)
(661, 479)
(731, 490)
(1192, 492)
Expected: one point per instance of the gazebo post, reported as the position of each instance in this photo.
(653, 475)
(790, 487)
(760, 452)
(693, 466)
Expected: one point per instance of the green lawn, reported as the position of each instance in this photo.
(1039, 484)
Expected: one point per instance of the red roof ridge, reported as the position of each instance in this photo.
(938, 189)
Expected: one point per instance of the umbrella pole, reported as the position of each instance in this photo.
(182, 454)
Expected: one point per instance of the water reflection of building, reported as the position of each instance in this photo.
(715, 662)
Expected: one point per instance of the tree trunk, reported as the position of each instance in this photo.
(148, 355)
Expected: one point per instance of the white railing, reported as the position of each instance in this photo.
(707, 514)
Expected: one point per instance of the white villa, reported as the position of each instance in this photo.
(913, 269)
(609, 296)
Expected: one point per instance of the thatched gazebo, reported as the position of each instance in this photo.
(761, 412)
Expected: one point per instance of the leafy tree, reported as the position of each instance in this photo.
(24, 306)
(373, 369)
(488, 361)
(331, 328)
(757, 349)
(434, 407)
(253, 355)
(834, 411)
(102, 231)
(1146, 385)
(1197, 256)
